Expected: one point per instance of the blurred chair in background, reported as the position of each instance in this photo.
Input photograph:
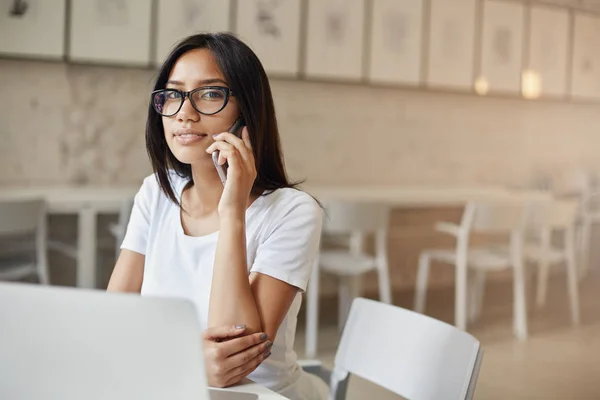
(589, 216)
(23, 245)
(356, 220)
(483, 218)
(118, 230)
(68, 246)
(582, 186)
(557, 217)
(410, 354)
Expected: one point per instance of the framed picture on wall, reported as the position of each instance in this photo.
(335, 39)
(111, 31)
(548, 51)
(396, 42)
(502, 45)
(585, 79)
(32, 28)
(451, 44)
(272, 29)
(177, 19)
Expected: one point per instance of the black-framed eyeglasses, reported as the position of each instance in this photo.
(207, 100)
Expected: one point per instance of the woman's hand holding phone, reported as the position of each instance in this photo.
(241, 173)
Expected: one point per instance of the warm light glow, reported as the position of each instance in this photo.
(531, 84)
(482, 86)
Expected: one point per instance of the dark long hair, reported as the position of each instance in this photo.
(246, 77)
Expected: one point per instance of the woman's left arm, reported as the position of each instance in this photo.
(262, 300)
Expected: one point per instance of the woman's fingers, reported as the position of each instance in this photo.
(246, 356)
(240, 144)
(229, 154)
(246, 138)
(240, 344)
(220, 333)
(247, 368)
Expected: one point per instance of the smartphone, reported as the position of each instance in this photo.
(236, 129)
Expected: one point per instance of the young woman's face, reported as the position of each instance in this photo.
(189, 133)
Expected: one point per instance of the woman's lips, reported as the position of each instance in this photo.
(188, 136)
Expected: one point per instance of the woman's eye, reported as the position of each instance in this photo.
(212, 95)
(173, 95)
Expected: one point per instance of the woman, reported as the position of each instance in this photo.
(241, 251)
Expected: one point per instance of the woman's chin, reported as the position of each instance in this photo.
(192, 156)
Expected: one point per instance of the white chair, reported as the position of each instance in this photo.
(488, 218)
(118, 230)
(357, 220)
(23, 245)
(410, 354)
(557, 217)
(68, 248)
(589, 216)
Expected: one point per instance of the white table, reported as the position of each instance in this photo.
(426, 196)
(247, 386)
(88, 201)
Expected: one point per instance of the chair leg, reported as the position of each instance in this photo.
(343, 299)
(312, 312)
(349, 289)
(460, 293)
(421, 284)
(572, 282)
(519, 302)
(586, 237)
(543, 269)
(43, 273)
(383, 274)
(477, 294)
(385, 286)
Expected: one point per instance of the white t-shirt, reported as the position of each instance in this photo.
(283, 230)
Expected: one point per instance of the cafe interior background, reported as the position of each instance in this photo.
(434, 99)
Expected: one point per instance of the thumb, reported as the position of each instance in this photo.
(219, 333)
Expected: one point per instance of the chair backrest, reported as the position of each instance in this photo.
(493, 217)
(21, 217)
(559, 214)
(125, 212)
(410, 354)
(348, 217)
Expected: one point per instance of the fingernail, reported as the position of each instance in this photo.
(240, 327)
(264, 336)
(215, 135)
(267, 354)
(268, 345)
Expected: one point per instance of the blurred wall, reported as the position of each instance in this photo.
(85, 124)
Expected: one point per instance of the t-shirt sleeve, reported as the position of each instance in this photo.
(291, 247)
(136, 235)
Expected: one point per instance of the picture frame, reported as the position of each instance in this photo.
(585, 78)
(451, 52)
(502, 45)
(396, 44)
(110, 32)
(272, 29)
(549, 49)
(33, 28)
(335, 39)
(177, 19)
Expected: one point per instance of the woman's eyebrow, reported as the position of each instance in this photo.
(202, 82)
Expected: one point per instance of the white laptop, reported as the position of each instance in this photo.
(72, 344)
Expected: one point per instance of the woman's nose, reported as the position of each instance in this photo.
(188, 112)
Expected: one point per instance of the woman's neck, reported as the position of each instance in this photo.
(204, 195)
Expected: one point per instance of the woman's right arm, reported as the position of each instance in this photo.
(128, 273)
